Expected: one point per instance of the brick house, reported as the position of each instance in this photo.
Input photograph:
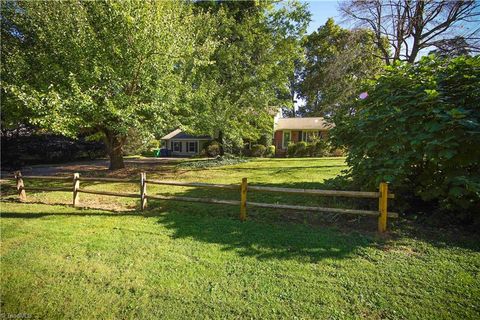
(293, 130)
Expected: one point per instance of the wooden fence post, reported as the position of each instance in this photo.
(143, 190)
(76, 186)
(22, 196)
(243, 200)
(382, 207)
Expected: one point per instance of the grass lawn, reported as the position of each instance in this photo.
(183, 260)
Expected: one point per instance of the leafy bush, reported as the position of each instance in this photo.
(139, 142)
(301, 149)
(148, 153)
(270, 152)
(153, 144)
(213, 149)
(265, 139)
(419, 130)
(258, 150)
(337, 152)
(291, 149)
(317, 148)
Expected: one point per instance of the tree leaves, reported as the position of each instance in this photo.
(413, 131)
(337, 61)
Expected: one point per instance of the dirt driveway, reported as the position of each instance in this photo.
(100, 167)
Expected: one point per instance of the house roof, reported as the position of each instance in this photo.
(178, 134)
(317, 123)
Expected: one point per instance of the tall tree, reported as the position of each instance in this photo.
(238, 95)
(337, 61)
(449, 48)
(102, 66)
(412, 25)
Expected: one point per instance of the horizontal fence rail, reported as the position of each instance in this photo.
(194, 184)
(326, 193)
(382, 195)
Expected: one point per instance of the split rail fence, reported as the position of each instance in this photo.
(382, 195)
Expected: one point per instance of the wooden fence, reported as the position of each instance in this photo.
(382, 195)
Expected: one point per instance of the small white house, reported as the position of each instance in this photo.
(179, 143)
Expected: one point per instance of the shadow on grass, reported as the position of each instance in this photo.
(265, 240)
(284, 168)
(272, 234)
(269, 233)
(74, 212)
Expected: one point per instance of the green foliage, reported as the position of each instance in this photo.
(419, 130)
(291, 149)
(337, 61)
(213, 149)
(239, 93)
(338, 152)
(107, 66)
(265, 139)
(317, 148)
(301, 149)
(258, 150)
(270, 152)
(139, 142)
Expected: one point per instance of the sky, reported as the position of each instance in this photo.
(322, 10)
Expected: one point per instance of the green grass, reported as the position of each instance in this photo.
(184, 261)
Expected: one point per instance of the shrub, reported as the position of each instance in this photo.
(213, 149)
(265, 139)
(270, 152)
(139, 142)
(301, 149)
(418, 129)
(317, 148)
(291, 149)
(153, 144)
(246, 151)
(311, 149)
(258, 150)
(337, 152)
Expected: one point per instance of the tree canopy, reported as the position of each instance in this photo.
(337, 60)
(111, 67)
(102, 66)
(238, 95)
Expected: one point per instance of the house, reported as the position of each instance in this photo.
(293, 130)
(179, 143)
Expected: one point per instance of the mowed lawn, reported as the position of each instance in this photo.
(182, 260)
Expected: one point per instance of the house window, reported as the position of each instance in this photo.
(286, 138)
(192, 146)
(309, 135)
(177, 146)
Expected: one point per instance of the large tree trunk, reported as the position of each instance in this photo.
(114, 143)
(220, 141)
